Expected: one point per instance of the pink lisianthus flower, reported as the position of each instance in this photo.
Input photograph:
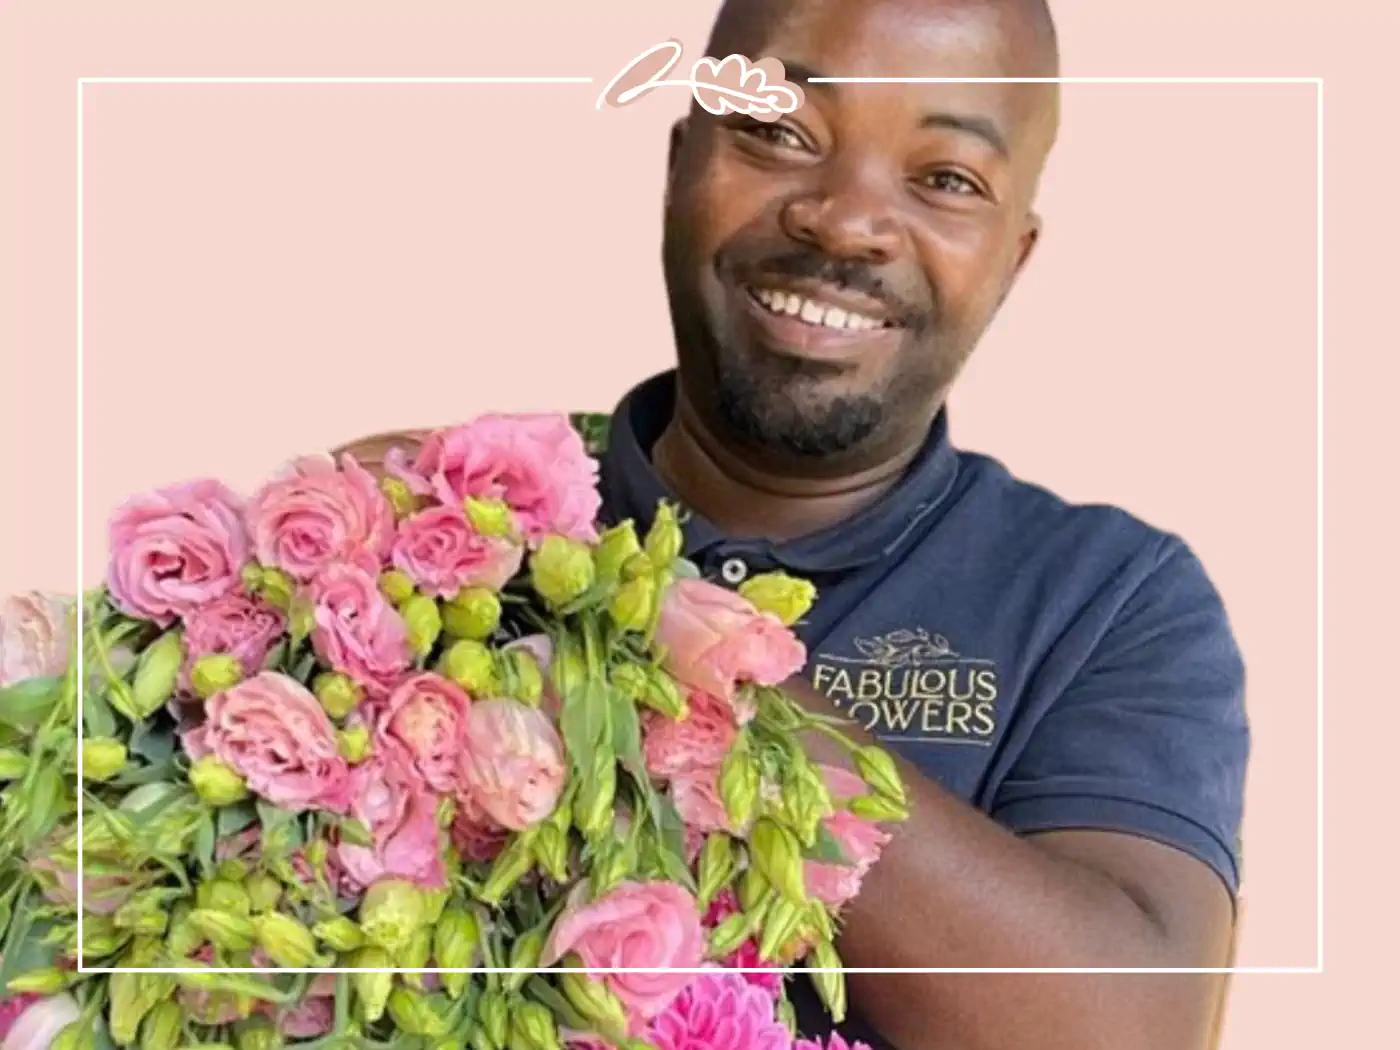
(861, 843)
(478, 839)
(720, 1011)
(175, 550)
(426, 716)
(697, 801)
(636, 925)
(238, 625)
(357, 631)
(716, 640)
(311, 1018)
(275, 734)
(35, 636)
(440, 551)
(834, 1041)
(762, 973)
(699, 742)
(513, 767)
(33, 1022)
(536, 464)
(313, 515)
(394, 803)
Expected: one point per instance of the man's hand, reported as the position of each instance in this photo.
(955, 889)
(369, 452)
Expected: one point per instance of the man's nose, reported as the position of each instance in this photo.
(847, 216)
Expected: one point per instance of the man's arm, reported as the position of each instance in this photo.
(369, 452)
(955, 889)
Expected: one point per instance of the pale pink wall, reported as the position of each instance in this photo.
(406, 249)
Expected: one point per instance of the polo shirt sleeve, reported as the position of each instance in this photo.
(1150, 737)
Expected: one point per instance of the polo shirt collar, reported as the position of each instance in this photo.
(633, 490)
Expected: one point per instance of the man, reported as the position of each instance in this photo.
(1060, 682)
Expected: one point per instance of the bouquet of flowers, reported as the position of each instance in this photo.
(431, 761)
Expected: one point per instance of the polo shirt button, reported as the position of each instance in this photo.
(733, 571)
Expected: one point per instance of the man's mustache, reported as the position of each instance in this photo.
(847, 273)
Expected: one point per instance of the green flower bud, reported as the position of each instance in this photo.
(264, 892)
(446, 811)
(231, 870)
(561, 570)
(777, 854)
(390, 913)
(490, 517)
(509, 867)
(524, 955)
(664, 695)
(338, 693)
(877, 808)
(473, 613)
(665, 540)
(471, 666)
(103, 758)
(876, 767)
(396, 586)
(216, 783)
(258, 1033)
(131, 996)
(157, 674)
(371, 988)
(252, 576)
(494, 1015)
(276, 588)
(400, 497)
(340, 934)
(223, 895)
(779, 924)
(416, 955)
(595, 1003)
(631, 680)
(738, 784)
(353, 742)
(48, 980)
(717, 866)
(144, 915)
(233, 933)
(162, 1026)
(789, 598)
(413, 1014)
(455, 941)
(638, 566)
(13, 763)
(594, 812)
(551, 846)
(214, 673)
(632, 604)
(424, 622)
(99, 943)
(615, 547)
(301, 617)
(729, 936)
(184, 936)
(285, 940)
(526, 682)
(532, 1027)
(830, 986)
(477, 1039)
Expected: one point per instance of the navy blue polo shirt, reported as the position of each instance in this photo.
(1057, 666)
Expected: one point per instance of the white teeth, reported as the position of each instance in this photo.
(813, 312)
(793, 304)
(835, 318)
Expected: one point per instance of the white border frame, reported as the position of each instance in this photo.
(1320, 472)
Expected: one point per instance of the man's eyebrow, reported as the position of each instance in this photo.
(984, 128)
(802, 75)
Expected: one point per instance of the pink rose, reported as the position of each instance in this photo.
(700, 741)
(477, 838)
(175, 550)
(427, 717)
(390, 799)
(860, 840)
(313, 515)
(357, 631)
(720, 1011)
(237, 625)
(31, 1022)
(275, 734)
(537, 464)
(35, 636)
(440, 551)
(652, 924)
(716, 640)
(697, 800)
(513, 766)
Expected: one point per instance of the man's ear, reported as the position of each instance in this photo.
(1029, 238)
(673, 150)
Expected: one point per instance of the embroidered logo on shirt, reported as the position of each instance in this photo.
(911, 684)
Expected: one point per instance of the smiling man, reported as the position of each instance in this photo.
(1061, 682)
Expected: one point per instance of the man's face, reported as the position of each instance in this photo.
(829, 273)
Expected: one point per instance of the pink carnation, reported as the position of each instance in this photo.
(274, 733)
(477, 838)
(860, 840)
(834, 1041)
(426, 716)
(389, 798)
(513, 766)
(636, 925)
(537, 464)
(716, 640)
(238, 625)
(357, 631)
(698, 742)
(34, 637)
(440, 551)
(175, 550)
(314, 515)
(720, 1011)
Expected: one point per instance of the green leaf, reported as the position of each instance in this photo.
(205, 838)
(97, 715)
(24, 705)
(826, 850)
(626, 733)
(671, 843)
(154, 745)
(45, 802)
(233, 819)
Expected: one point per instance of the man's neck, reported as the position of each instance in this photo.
(743, 500)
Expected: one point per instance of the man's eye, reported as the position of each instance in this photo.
(952, 182)
(774, 135)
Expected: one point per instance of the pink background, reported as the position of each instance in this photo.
(422, 244)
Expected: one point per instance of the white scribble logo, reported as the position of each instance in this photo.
(730, 85)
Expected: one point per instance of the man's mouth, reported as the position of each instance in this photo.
(822, 307)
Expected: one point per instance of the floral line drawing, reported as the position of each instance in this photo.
(731, 85)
